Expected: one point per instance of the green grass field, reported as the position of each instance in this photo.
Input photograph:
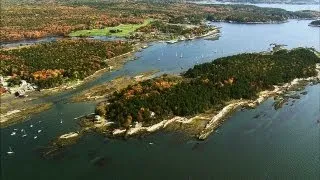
(126, 29)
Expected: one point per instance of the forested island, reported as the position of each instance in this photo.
(60, 18)
(209, 86)
(315, 23)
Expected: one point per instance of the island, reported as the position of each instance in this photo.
(200, 99)
(315, 23)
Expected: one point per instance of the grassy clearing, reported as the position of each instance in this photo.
(125, 29)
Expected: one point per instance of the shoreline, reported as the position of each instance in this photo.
(215, 119)
(102, 91)
(20, 115)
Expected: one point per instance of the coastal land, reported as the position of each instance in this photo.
(86, 18)
(29, 72)
(199, 100)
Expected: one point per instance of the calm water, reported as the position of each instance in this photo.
(282, 144)
(288, 7)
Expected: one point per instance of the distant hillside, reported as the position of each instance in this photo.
(272, 1)
(80, 1)
(165, 1)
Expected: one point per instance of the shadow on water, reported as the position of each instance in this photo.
(101, 161)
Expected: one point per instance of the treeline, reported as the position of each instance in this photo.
(173, 29)
(246, 13)
(240, 14)
(207, 86)
(50, 64)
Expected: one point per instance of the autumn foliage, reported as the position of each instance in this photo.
(51, 64)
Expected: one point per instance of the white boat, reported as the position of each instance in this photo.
(61, 121)
(13, 133)
(35, 137)
(15, 129)
(150, 143)
(181, 55)
(39, 131)
(24, 133)
(10, 151)
(31, 125)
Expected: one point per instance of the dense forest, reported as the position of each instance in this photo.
(207, 86)
(67, 60)
(27, 21)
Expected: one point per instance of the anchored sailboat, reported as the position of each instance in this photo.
(10, 151)
(24, 133)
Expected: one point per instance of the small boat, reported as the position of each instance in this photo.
(39, 131)
(158, 59)
(176, 54)
(22, 130)
(10, 151)
(31, 125)
(24, 133)
(35, 137)
(39, 121)
(61, 121)
(150, 143)
(15, 129)
(13, 133)
(181, 56)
